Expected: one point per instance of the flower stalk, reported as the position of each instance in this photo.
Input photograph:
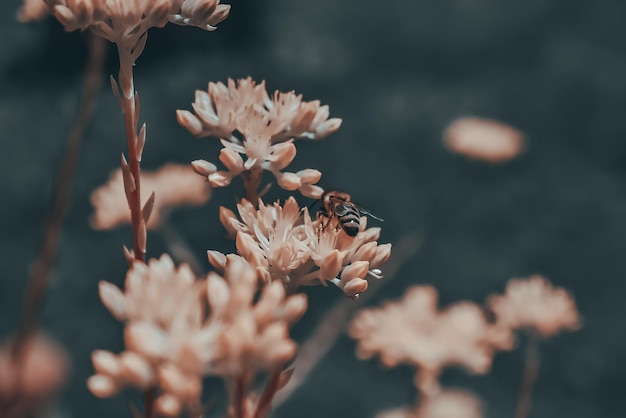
(239, 397)
(129, 102)
(531, 373)
(272, 386)
(252, 182)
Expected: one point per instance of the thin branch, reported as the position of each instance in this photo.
(40, 272)
(271, 387)
(130, 107)
(239, 398)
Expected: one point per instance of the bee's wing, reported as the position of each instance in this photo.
(367, 212)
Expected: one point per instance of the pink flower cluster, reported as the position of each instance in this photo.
(179, 329)
(267, 126)
(284, 244)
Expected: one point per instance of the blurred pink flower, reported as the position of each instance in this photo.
(32, 379)
(414, 331)
(534, 304)
(174, 185)
(484, 139)
(32, 10)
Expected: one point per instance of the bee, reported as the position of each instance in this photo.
(339, 206)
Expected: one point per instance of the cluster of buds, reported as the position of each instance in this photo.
(180, 329)
(251, 123)
(284, 244)
(126, 22)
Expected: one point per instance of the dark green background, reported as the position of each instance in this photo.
(397, 73)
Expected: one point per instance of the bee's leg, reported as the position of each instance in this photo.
(322, 214)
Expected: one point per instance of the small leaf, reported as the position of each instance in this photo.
(134, 411)
(265, 189)
(141, 141)
(137, 108)
(142, 236)
(116, 90)
(141, 44)
(284, 378)
(147, 208)
(129, 255)
(129, 180)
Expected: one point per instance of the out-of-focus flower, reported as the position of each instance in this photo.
(32, 378)
(534, 304)
(448, 403)
(180, 329)
(284, 244)
(484, 139)
(267, 126)
(173, 185)
(126, 22)
(414, 331)
(33, 10)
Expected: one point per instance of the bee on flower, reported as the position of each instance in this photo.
(285, 244)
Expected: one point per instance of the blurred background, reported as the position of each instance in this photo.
(397, 73)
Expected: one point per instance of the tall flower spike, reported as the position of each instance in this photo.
(261, 128)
